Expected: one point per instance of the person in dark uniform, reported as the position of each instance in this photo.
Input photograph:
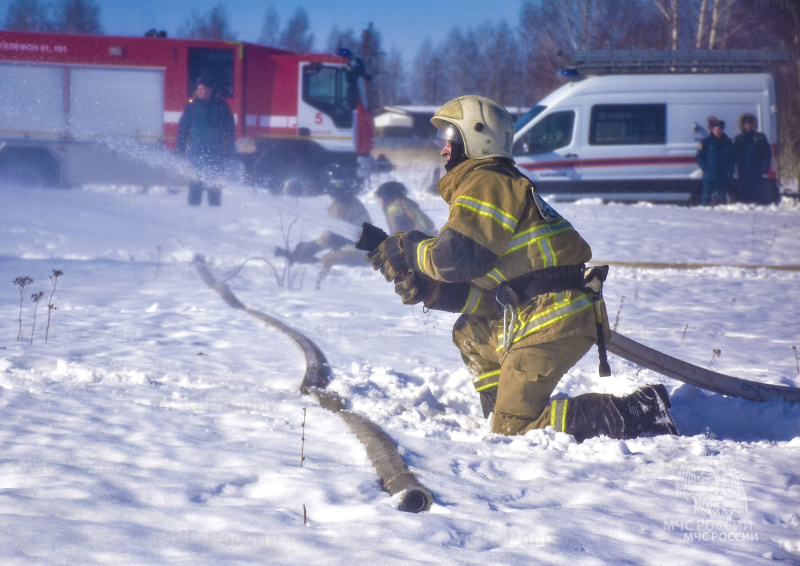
(716, 157)
(206, 135)
(753, 156)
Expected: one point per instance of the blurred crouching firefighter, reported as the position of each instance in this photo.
(715, 156)
(753, 157)
(402, 213)
(515, 269)
(206, 135)
(345, 206)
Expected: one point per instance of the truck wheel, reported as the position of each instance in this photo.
(22, 175)
(30, 168)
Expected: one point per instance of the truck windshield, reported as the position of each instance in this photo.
(527, 117)
(332, 90)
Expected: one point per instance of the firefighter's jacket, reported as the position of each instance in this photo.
(497, 231)
(404, 215)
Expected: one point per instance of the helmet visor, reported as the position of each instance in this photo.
(447, 133)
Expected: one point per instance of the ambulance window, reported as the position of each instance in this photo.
(628, 124)
(553, 132)
(215, 65)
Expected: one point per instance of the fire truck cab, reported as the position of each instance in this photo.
(95, 109)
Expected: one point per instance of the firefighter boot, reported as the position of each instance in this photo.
(643, 413)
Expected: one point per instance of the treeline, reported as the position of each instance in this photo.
(512, 62)
(60, 16)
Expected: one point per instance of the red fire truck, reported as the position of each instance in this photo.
(64, 100)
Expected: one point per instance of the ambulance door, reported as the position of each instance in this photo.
(623, 157)
(548, 152)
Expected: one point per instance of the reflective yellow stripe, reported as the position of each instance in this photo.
(555, 313)
(548, 254)
(423, 253)
(486, 380)
(535, 234)
(473, 300)
(487, 209)
(558, 414)
(393, 208)
(497, 276)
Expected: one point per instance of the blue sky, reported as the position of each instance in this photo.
(402, 23)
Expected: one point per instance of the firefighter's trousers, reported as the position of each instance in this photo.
(526, 375)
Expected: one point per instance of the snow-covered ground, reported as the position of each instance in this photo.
(159, 426)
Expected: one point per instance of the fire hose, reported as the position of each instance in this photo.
(372, 236)
(395, 476)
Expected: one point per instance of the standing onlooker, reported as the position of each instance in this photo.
(716, 157)
(206, 134)
(402, 213)
(753, 156)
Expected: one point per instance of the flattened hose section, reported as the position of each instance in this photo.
(381, 450)
(697, 376)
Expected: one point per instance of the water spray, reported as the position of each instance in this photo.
(367, 237)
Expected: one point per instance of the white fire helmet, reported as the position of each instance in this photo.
(486, 128)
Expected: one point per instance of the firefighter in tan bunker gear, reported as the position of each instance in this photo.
(402, 213)
(345, 206)
(516, 270)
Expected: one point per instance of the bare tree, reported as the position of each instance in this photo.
(500, 55)
(271, 27)
(346, 39)
(427, 77)
(391, 82)
(715, 24)
(669, 10)
(211, 25)
(28, 15)
(701, 24)
(77, 16)
(296, 35)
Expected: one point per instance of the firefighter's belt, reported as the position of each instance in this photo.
(553, 279)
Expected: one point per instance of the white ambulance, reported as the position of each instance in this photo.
(635, 137)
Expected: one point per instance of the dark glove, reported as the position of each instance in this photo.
(305, 252)
(413, 288)
(388, 258)
(593, 279)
